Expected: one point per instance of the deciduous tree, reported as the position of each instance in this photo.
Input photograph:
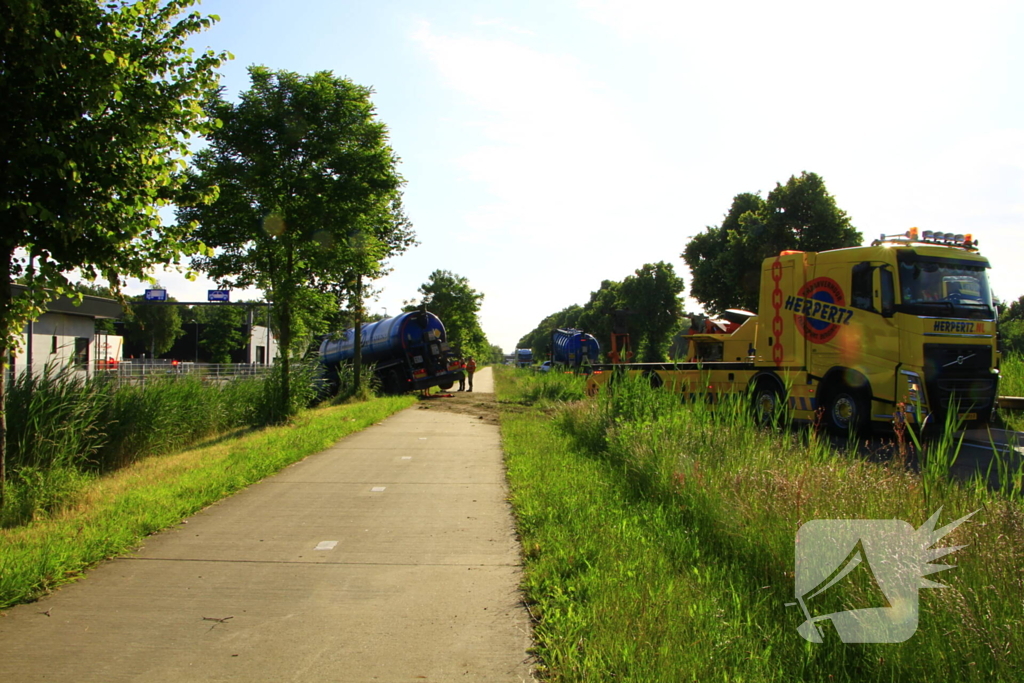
(539, 338)
(222, 330)
(726, 260)
(598, 314)
(99, 100)
(157, 326)
(309, 193)
(652, 293)
(720, 266)
(449, 297)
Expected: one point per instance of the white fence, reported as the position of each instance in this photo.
(139, 371)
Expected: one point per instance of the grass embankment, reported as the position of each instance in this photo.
(116, 511)
(64, 429)
(1011, 383)
(659, 545)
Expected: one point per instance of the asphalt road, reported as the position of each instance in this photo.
(389, 557)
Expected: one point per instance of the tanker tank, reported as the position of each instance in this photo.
(410, 352)
(574, 347)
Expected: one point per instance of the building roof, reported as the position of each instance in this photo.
(91, 307)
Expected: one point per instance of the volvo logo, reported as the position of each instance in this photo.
(959, 360)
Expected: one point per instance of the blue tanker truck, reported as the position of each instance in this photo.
(410, 352)
(524, 358)
(574, 347)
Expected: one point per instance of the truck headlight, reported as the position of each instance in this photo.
(913, 387)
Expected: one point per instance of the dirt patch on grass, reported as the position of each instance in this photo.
(480, 405)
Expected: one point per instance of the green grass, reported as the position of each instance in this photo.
(1011, 383)
(115, 512)
(659, 545)
(1011, 369)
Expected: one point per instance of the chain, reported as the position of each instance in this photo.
(777, 351)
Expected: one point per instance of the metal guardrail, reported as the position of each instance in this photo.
(1011, 402)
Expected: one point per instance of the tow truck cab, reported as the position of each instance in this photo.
(906, 324)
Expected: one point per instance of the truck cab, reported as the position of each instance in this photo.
(905, 325)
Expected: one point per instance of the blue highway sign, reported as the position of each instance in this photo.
(218, 295)
(156, 295)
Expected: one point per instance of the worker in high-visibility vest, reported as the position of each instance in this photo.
(470, 369)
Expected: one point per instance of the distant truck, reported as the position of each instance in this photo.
(410, 352)
(902, 329)
(524, 358)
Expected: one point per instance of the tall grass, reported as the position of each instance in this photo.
(1011, 383)
(716, 504)
(122, 507)
(1011, 380)
(63, 428)
(340, 381)
(541, 387)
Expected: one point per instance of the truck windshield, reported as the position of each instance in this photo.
(950, 288)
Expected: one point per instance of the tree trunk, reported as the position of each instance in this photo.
(285, 324)
(6, 318)
(357, 351)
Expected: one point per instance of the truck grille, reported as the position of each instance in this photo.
(960, 374)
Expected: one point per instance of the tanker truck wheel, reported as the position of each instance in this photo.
(391, 383)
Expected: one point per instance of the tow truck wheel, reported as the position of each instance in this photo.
(654, 379)
(767, 404)
(846, 411)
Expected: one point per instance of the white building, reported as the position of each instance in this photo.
(262, 348)
(66, 335)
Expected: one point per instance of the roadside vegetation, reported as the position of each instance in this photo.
(110, 514)
(65, 430)
(1012, 375)
(1011, 383)
(659, 542)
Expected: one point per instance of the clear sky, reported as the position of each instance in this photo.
(551, 144)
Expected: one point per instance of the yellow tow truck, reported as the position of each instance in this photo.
(904, 327)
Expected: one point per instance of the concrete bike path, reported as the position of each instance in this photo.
(391, 556)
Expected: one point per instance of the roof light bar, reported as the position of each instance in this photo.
(966, 241)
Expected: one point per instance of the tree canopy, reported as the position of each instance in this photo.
(539, 338)
(157, 326)
(222, 330)
(309, 193)
(726, 260)
(651, 296)
(450, 297)
(99, 100)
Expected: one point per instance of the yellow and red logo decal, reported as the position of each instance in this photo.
(819, 310)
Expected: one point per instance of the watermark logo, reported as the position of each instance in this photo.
(877, 562)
